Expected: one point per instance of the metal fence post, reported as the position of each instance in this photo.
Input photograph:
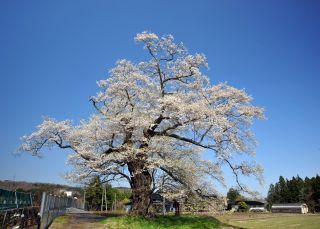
(53, 206)
(43, 200)
(31, 202)
(17, 204)
(4, 220)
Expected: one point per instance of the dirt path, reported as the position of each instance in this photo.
(79, 220)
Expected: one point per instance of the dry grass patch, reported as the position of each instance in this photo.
(269, 220)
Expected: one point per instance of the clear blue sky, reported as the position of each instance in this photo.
(53, 52)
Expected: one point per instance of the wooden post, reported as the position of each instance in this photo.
(163, 199)
(163, 205)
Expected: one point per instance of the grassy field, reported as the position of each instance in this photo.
(111, 220)
(268, 220)
(237, 220)
(183, 222)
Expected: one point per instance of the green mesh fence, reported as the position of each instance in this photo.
(12, 199)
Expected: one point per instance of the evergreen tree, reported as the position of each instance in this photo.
(271, 198)
(293, 190)
(233, 195)
(283, 190)
(94, 194)
(296, 190)
(276, 193)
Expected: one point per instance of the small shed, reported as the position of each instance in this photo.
(290, 208)
(253, 205)
(158, 201)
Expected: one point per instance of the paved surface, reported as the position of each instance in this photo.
(75, 210)
(79, 220)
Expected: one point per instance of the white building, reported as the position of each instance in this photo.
(66, 192)
(290, 208)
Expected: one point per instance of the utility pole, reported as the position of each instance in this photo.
(84, 200)
(102, 199)
(105, 197)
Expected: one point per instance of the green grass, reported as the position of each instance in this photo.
(183, 222)
(61, 219)
(117, 220)
(254, 220)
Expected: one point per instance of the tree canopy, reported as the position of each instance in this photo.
(296, 190)
(233, 195)
(153, 121)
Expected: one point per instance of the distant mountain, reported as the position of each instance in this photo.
(37, 187)
(122, 188)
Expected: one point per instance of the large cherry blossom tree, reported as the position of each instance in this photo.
(154, 120)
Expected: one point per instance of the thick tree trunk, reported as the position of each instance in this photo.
(141, 187)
